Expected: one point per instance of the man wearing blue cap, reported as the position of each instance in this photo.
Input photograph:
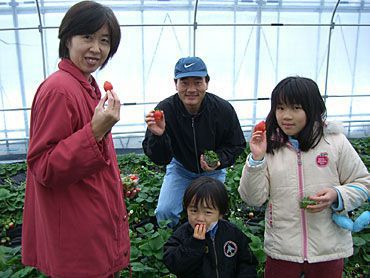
(194, 121)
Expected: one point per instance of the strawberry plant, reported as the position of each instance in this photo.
(11, 202)
(147, 239)
(142, 207)
(306, 201)
(211, 158)
(130, 185)
(146, 251)
(358, 265)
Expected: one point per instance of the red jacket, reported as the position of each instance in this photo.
(75, 220)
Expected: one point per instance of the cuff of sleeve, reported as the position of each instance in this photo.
(254, 163)
(98, 147)
(338, 206)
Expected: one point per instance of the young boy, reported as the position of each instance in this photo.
(207, 245)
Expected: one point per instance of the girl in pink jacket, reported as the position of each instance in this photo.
(304, 168)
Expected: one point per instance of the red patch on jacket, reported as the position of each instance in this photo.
(322, 159)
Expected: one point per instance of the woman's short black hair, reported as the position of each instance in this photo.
(85, 18)
(208, 190)
(302, 91)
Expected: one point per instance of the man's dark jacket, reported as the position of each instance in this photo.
(226, 256)
(215, 127)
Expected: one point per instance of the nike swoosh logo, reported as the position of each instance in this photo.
(188, 65)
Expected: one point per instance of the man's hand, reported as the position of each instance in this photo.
(200, 231)
(205, 167)
(324, 199)
(105, 118)
(156, 127)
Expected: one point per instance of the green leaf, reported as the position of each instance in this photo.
(134, 253)
(136, 266)
(156, 243)
(159, 256)
(141, 230)
(23, 272)
(365, 236)
(6, 274)
(144, 195)
(366, 257)
(255, 239)
(357, 241)
(149, 226)
(254, 246)
(4, 194)
(260, 255)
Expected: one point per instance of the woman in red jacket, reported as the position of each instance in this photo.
(75, 220)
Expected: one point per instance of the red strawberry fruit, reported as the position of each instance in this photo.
(261, 126)
(158, 115)
(108, 86)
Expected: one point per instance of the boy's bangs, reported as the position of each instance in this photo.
(201, 199)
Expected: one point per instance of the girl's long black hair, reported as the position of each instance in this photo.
(297, 91)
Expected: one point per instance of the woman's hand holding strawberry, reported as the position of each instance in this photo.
(105, 117)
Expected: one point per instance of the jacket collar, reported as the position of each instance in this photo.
(91, 88)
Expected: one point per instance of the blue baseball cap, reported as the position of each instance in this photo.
(190, 67)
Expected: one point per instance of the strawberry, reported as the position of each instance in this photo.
(158, 115)
(130, 185)
(130, 181)
(134, 179)
(261, 126)
(132, 193)
(108, 86)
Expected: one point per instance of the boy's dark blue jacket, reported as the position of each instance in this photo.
(226, 256)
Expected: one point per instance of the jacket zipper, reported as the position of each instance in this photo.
(301, 195)
(195, 144)
(214, 251)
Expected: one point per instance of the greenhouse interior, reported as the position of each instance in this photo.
(248, 46)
